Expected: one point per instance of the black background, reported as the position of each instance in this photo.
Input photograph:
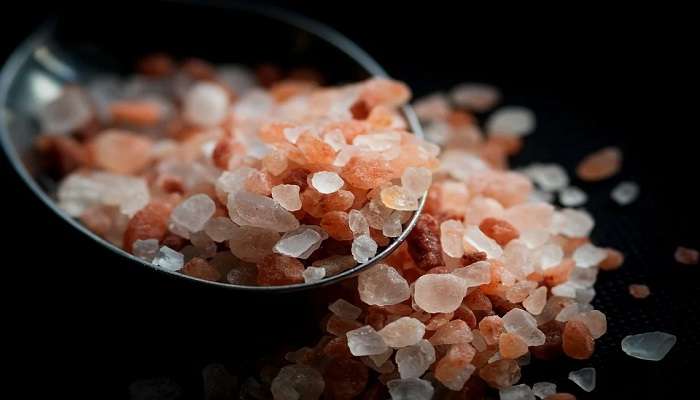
(80, 322)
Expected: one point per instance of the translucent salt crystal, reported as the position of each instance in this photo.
(588, 255)
(335, 264)
(220, 229)
(416, 181)
(584, 378)
(453, 332)
(262, 211)
(625, 193)
(572, 196)
(365, 341)
(194, 212)
(526, 216)
(476, 274)
(564, 290)
(549, 177)
(535, 302)
(231, 182)
(438, 132)
(568, 312)
(380, 142)
(456, 382)
(595, 321)
(439, 293)
(237, 77)
(477, 240)
(686, 255)
(392, 225)
(461, 165)
(335, 139)
(451, 238)
(511, 121)
(432, 107)
(169, 259)
(534, 238)
(252, 244)
(206, 104)
(69, 111)
(146, 249)
(297, 382)
(652, 346)
(544, 389)
(414, 360)
(518, 292)
(475, 96)
(550, 255)
(585, 295)
(344, 156)
(410, 389)
(405, 331)
(363, 248)
(203, 243)
(313, 274)
(478, 341)
(573, 223)
(298, 242)
(398, 198)
(517, 392)
(382, 285)
(358, 223)
(287, 196)
(344, 309)
(326, 182)
(523, 324)
(380, 359)
(79, 192)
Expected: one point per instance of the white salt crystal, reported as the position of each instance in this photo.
(476, 274)
(292, 133)
(549, 177)
(581, 278)
(194, 212)
(345, 309)
(511, 121)
(252, 105)
(517, 392)
(206, 104)
(457, 382)
(365, 341)
(441, 293)
(568, 312)
(544, 389)
(296, 243)
(475, 96)
(358, 223)
(414, 360)
(564, 290)
(326, 182)
(63, 115)
(79, 192)
(432, 107)
(625, 193)
(416, 180)
(220, 229)
(588, 255)
(146, 249)
(476, 239)
(392, 225)
(287, 196)
(382, 285)
(652, 346)
(169, 259)
(573, 223)
(550, 255)
(381, 359)
(535, 302)
(584, 378)
(297, 382)
(261, 211)
(335, 139)
(534, 238)
(363, 248)
(379, 142)
(451, 232)
(572, 196)
(405, 331)
(437, 132)
(523, 324)
(313, 274)
(410, 389)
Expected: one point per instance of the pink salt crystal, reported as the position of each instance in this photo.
(335, 139)
(297, 382)
(365, 341)
(475, 239)
(587, 255)
(379, 142)
(405, 331)
(70, 111)
(121, 152)
(344, 309)
(530, 216)
(275, 163)
(287, 196)
(491, 328)
(206, 104)
(595, 321)
(382, 285)
(452, 332)
(462, 165)
(326, 182)
(535, 302)
(573, 223)
(252, 244)
(454, 369)
(523, 324)
(639, 291)
(416, 181)
(475, 96)
(686, 255)
(600, 165)
(480, 208)
(313, 274)
(432, 107)
(262, 211)
(298, 242)
(520, 291)
(476, 274)
(398, 198)
(454, 196)
(194, 212)
(550, 255)
(363, 248)
(451, 238)
(220, 229)
(414, 360)
(439, 293)
(511, 121)
(231, 182)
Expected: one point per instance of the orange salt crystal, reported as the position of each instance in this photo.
(273, 132)
(511, 346)
(639, 291)
(337, 201)
(457, 358)
(277, 269)
(156, 65)
(509, 188)
(491, 328)
(509, 144)
(456, 331)
(136, 112)
(120, 151)
(478, 301)
(223, 151)
(559, 274)
(285, 89)
(151, 222)
(577, 341)
(378, 237)
(296, 176)
(501, 374)
(345, 378)
(560, 396)
(493, 155)
(275, 162)
(259, 182)
(315, 149)
(366, 172)
(438, 320)
(612, 261)
(335, 223)
(600, 165)
(499, 230)
(201, 269)
(337, 348)
(385, 92)
(460, 118)
(687, 256)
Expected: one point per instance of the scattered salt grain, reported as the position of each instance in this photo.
(573, 223)
(652, 346)
(595, 321)
(382, 285)
(439, 293)
(585, 378)
(517, 392)
(405, 331)
(345, 309)
(572, 196)
(206, 104)
(511, 121)
(625, 193)
(169, 259)
(475, 96)
(410, 389)
(600, 165)
(432, 107)
(326, 182)
(549, 177)
(639, 291)
(363, 248)
(313, 274)
(146, 249)
(588, 255)
(686, 256)
(544, 389)
(287, 196)
(414, 360)
(365, 341)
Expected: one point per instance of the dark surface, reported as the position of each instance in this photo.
(81, 322)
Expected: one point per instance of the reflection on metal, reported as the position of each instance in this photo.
(53, 64)
(43, 87)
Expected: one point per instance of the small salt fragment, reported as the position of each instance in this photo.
(549, 177)
(405, 331)
(686, 256)
(297, 382)
(564, 290)
(439, 293)
(432, 107)
(535, 302)
(410, 389)
(363, 248)
(511, 121)
(345, 309)
(652, 346)
(625, 193)
(476, 239)
(398, 198)
(358, 223)
(70, 111)
(416, 181)
(572, 196)
(298, 242)
(479, 97)
(414, 360)
(544, 389)
(523, 324)
(365, 341)
(146, 249)
(573, 223)
(220, 229)
(287, 196)
(194, 212)
(595, 321)
(584, 378)
(588, 255)
(517, 392)
(206, 104)
(451, 232)
(639, 291)
(453, 332)
(392, 225)
(169, 259)
(382, 285)
(600, 165)
(326, 182)
(313, 274)
(476, 274)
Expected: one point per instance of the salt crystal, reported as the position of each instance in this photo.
(79, 192)
(564, 290)
(382, 285)
(517, 392)
(462, 165)
(550, 255)
(357, 223)
(581, 278)
(206, 104)
(573, 223)
(287, 196)
(345, 310)
(379, 142)
(441, 293)
(568, 312)
(588, 255)
(405, 331)
(231, 182)
(326, 182)
(220, 229)
(169, 259)
(253, 105)
(534, 238)
(365, 341)
(585, 295)
(475, 96)
(686, 256)
(523, 324)
(457, 381)
(70, 111)
(438, 132)
(236, 77)
(544, 389)
(584, 378)
(381, 359)
(432, 107)
(416, 181)
(398, 198)
(363, 248)
(535, 302)
(625, 193)
(296, 243)
(146, 249)
(652, 346)
(511, 121)
(451, 232)
(252, 244)
(335, 139)
(344, 156)
(478, 341)
(572, 196)
(194, 212)
(410, 389)
(453, 332)
(595, 321)
(313, 274)
(392, 225)
(414, 360)
(335, 264)
(262, 211)
(476, 239)
(549, 177)
(476, 274)
(297, 382)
